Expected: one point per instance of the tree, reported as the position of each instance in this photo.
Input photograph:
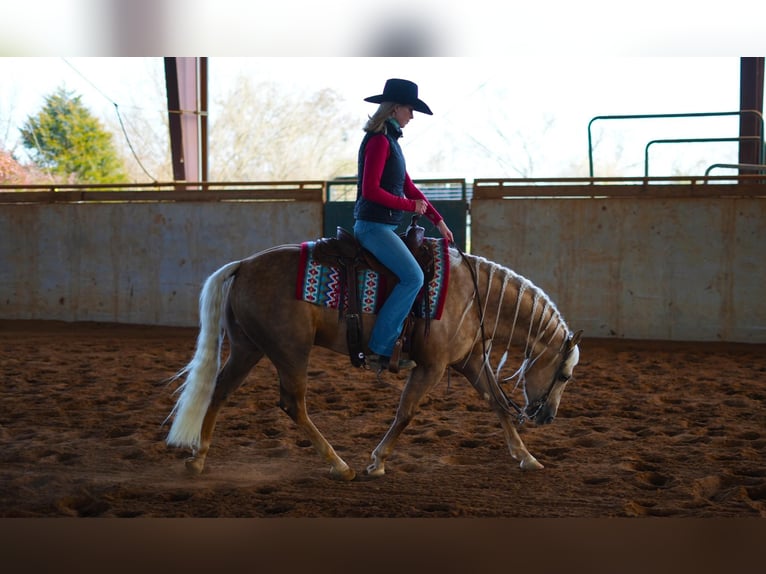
(12, 171)
(66, 140)
(265, 133)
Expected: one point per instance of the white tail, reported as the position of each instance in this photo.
(202, 370)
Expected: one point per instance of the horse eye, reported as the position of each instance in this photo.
(564, 378)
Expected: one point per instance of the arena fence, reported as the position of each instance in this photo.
(138, 254)
(641, 259)
(670, 258)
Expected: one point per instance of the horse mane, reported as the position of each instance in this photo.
(537, 328)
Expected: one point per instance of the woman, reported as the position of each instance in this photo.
(385, 191)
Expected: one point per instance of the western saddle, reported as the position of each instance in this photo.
(346, 253)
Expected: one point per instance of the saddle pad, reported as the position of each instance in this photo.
(321, 284)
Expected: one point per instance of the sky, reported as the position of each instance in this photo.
(499, 117)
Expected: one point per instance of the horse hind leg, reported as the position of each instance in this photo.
(229, 379)
(243, 356)
(292, 400)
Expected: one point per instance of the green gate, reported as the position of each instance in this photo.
(448, 196)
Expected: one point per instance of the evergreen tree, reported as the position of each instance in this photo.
(65, 139)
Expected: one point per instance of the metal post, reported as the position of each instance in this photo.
(203, 118)
(186, 83)
(751, 98)
(174, 119)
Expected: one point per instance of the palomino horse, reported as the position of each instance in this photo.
(489, 310)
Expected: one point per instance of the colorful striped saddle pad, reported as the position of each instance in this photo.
(321, 284)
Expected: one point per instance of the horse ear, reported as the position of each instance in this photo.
(574, 339)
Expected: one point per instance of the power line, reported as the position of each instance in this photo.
(130, 145)
(119, 119)
(94, 86)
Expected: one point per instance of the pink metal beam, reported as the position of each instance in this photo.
(186, 83)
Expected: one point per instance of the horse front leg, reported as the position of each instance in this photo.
(515, 444)
(421, 380)
(481, 379)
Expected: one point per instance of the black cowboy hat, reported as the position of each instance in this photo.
(401, 92)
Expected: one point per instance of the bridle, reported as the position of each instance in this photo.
(559, 377)
(507, 404)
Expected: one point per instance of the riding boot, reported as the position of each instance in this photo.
(379, 363)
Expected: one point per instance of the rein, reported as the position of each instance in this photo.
(506, 403)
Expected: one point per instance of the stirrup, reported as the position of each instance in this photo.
(379, 363)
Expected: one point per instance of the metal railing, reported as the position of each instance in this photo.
(307, 190)
(758, 114)
(694, 140)
(738, 185)
(457, 193)
(757, 167)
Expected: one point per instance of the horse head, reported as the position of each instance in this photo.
(545, 381)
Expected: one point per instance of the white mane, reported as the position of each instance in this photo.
(537, 330)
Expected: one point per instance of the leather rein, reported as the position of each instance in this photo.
(507, 404)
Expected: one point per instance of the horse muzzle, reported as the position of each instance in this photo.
(547, 420)
(540, 414)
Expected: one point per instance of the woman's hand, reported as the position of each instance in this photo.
(420, 206)
(445, 231)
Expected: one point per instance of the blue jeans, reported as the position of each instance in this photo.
(383, 242)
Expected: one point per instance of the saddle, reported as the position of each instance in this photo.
(345, 253)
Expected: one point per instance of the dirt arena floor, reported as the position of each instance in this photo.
(647, 429)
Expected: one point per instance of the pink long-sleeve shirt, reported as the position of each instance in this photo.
(375, 155)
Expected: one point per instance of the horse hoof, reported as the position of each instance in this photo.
(194, 466)
(530, 463)
(347, 474)
(375, 471)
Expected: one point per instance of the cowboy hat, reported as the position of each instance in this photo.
(401, 92)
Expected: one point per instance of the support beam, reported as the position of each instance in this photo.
(203, 118)
(186, 84)
(174, 119)
(751, 98)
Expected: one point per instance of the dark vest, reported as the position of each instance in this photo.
(392, 180)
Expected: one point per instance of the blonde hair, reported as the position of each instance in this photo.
(376, 122)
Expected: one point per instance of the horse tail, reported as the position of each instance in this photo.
(202, 370)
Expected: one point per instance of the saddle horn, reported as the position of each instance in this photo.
(415, 234)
